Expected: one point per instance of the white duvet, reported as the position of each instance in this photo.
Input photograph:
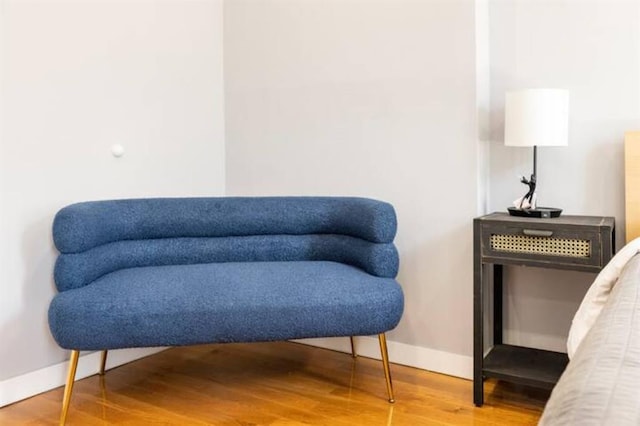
(598, 294)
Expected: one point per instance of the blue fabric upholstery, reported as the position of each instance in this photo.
(82, 226)
(78, 269)
(156, 272)
(224, 302)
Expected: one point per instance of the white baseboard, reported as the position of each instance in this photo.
(30, 384)
(400, 353)
(35, 382)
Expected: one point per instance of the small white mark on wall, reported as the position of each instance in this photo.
(117, 150)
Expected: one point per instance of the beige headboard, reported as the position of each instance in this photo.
(632, 184)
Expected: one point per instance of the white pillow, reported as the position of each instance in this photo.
(598, 294)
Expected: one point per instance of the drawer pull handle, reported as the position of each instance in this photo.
(537, 232)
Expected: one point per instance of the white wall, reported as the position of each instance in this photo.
(591, 48)
(76, 78)
(370, 98)
(379, 98)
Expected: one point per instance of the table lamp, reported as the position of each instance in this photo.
(535, 117)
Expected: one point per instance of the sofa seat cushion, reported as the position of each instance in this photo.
(224, 302)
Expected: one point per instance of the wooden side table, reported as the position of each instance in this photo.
(581, 243)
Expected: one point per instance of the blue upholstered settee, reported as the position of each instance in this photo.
(183, 271)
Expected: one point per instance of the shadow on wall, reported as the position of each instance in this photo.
(27, 341)
(607, 188)
(539, 306)
(430, 274)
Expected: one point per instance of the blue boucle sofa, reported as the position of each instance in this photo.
(184, 271)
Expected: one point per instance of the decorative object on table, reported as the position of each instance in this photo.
(535, 117)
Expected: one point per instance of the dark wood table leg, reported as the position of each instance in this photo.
(478, 338)
(497, 304)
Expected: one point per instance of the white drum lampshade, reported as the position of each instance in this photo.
(537, 117)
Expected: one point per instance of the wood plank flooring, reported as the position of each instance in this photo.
(276, 384)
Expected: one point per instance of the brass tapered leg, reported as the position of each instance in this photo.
(103, 362)
(71, 375)
(353, 348)
(385, 364)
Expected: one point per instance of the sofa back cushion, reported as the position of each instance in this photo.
(99, 237)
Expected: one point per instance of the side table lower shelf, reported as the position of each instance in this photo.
(527, 366)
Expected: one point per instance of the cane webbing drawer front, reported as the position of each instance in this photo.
(537, 244)
(569, 247)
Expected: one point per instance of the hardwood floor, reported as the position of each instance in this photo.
(274, 384)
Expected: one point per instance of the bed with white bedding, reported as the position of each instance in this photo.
(601, 384)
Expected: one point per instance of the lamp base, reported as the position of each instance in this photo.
(541, 212)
